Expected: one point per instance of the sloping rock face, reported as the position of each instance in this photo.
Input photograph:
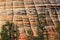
(28, 14)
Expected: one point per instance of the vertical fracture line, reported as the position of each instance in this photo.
(57, 14)
(50, 13)
(33, 14)
(11, 33)
(39, 22)
(37, 14)
(12, 11)
(26, 15)
(48, 10)
(22, 18)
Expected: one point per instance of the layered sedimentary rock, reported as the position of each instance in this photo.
(26, 13)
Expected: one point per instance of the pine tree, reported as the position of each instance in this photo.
(8, 31)
(30, 34)
(58, 28)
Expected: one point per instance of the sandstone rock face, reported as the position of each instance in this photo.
(26, 14)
